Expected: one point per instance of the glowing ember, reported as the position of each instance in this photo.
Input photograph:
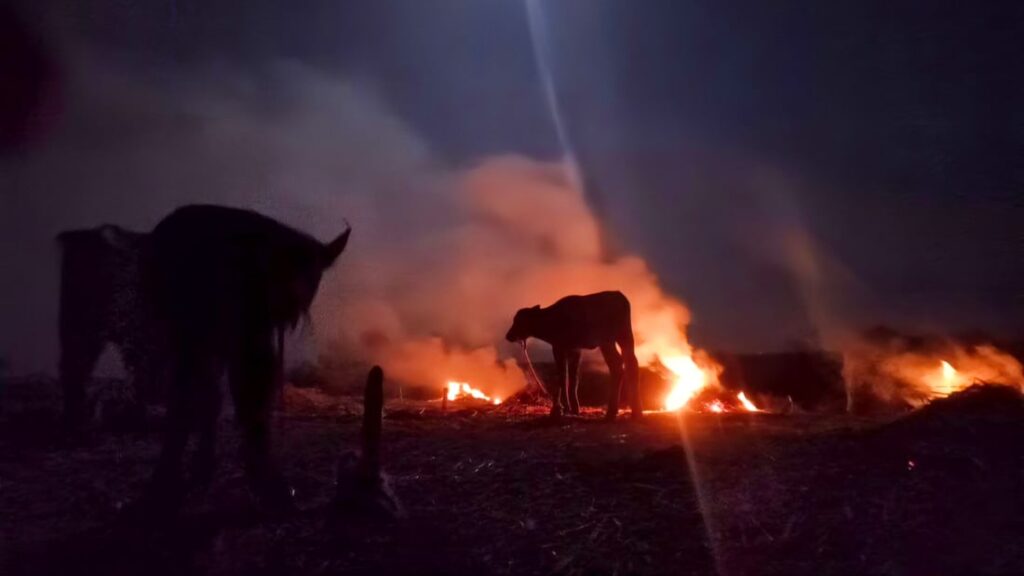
(458, 390)
(716, 407)
(747, 404)
(688, 379)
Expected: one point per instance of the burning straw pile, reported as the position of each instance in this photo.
(893, 369)
(991, 411)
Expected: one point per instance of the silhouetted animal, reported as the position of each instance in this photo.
(102, 302)
(227, 283)
(599, 320)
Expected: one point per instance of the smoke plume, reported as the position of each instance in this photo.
(434, 310)
(441, 257)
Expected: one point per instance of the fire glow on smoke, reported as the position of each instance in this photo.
(894, 371)
(944, 379)
(506, 234)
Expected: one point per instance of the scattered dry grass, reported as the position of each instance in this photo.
(492, 490)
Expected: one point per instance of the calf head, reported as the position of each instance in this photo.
(524, 324)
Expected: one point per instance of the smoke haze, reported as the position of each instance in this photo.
(441, 257)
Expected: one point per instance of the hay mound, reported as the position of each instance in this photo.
(973, 434)
(979, 409)
(299, 400)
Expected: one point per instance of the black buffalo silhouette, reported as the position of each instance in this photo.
(574, 323)
(226, 284)
(101, 303)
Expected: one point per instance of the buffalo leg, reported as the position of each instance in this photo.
(137, 365)
(194, 372)
(572, 388)
(144, 370)
(614, 361)
(78, 355)
(253, 381)
(558, 394)
(208, 412)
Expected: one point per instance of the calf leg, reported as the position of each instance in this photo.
(614, 361)
(558, 394)
(632, 380)
(572, 389)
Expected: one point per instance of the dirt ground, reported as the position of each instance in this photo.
(490, 490)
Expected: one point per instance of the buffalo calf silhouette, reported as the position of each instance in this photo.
(574, 323)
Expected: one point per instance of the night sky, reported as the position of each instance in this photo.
(723, 141)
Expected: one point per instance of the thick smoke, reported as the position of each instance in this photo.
(434, 309)
(440, 259)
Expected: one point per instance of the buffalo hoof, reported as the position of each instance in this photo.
(276, 497)
(204, 466)
(159, 503)
(73, 423)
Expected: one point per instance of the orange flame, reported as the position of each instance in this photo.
(458, 390)
(747, 404)
(948, 381)
(687, 380)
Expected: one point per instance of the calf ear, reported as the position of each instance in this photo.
(335, 248)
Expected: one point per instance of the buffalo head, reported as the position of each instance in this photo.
(524, 324)
(304, 270)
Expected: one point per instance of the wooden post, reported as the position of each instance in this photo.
(361, 487)
(373, 408)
